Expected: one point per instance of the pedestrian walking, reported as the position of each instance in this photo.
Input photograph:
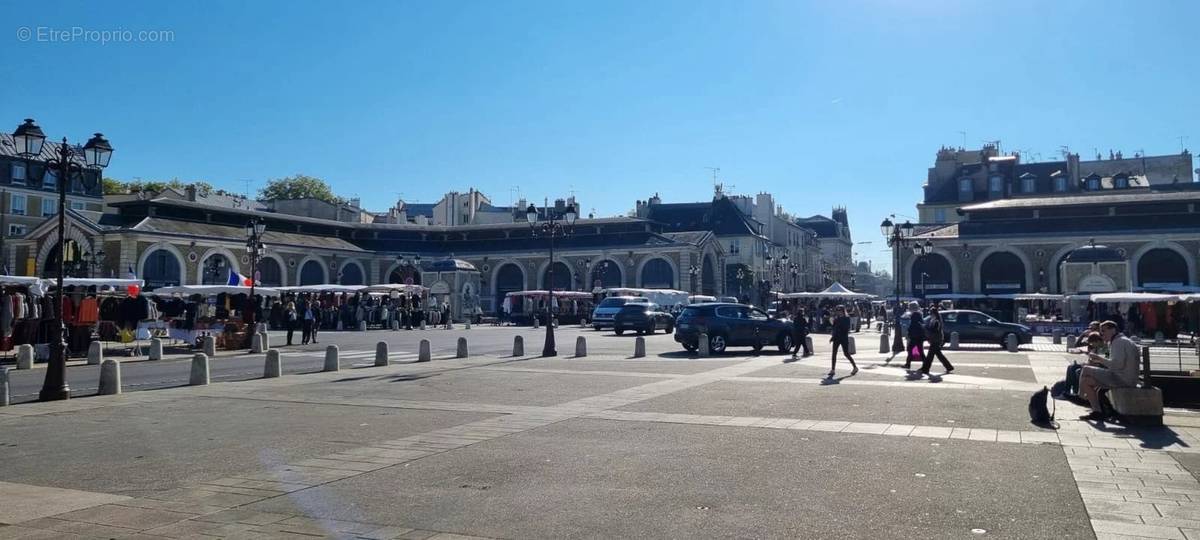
(841, 338)
(934, 334)
(916, 337)
(800, 333)
(289, 316)
(306, 330)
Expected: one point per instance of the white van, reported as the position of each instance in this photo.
(602, 315)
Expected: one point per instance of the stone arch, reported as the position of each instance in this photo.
(910, 263)
(1054, 264)
(669, 264)
(166, 247)
(319, 264)
(344, 277)
(608, 271)
(1135, 260)
(708, 275)
(401, 272)
(541, 274)
(509, 276)
(234, 262)
(278, 261)
(1025, 262)
(73, 233)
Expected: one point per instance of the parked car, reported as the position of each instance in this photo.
(643, 318)
(977, 327)
(731, 325)
(603, 313)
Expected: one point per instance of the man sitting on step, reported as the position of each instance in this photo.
(1119, 370)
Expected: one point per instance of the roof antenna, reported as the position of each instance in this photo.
(964, 136)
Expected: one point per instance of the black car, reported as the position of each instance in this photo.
(976, 327)
(731, 325)
(643, 318)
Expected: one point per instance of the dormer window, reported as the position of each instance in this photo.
(1093, 184)
(996, 184)
(1028, 183)
(1121, 182)
(1060, 184)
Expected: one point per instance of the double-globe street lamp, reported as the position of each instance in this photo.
(28, 139)
(254, 251)
(897, 236)
(921, 249)
(693, 271)
(556, 224)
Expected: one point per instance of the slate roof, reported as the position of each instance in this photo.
(824, 227)
(1183, 192)
(935, 230)
(212, 230)
(719, 216)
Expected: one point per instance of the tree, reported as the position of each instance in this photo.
(112, 186)
(298, 186)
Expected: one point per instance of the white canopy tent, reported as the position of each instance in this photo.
(208, 290)
(1133, 297)
(835, 291)
(388, 288)
(101, 282)
(324, 287)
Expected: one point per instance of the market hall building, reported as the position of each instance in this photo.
(169, 241)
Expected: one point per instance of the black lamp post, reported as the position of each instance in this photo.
(896, 237)
(91, 262)
(921, 250)
(741, 275)
(254, 251)
(693, 271)
(28, 140)
(552, 227)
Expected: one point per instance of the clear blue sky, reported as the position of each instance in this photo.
(821, 103)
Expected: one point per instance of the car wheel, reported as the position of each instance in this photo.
(689, 348)
(619, 331)
(716, 344)
(757, 347)
(650, 328)
(670, 327)
(785, 343)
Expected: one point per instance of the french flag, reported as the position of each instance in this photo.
(237, 280)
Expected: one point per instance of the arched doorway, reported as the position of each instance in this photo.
(71, 260)
(606, 274)
(561, 280)
(1162, 268)
(402, 274)
(509, 278)
(935, 270)
(352, 274)
(658, 274)
(215, 270)
(161, 269)
(1002, 272)
(270, 274)
(312, 273)
(708, 277)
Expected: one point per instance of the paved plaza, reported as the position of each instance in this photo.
(607, 446)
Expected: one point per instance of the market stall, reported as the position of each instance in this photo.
(25, 315)
(570, 307)
(107, 309)
(191, 312)
(665, 298)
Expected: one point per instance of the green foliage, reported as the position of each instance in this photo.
(112, 186)
(298, 186)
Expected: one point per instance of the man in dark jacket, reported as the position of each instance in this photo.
(800, 332)
(916, 336)
(841, 338)
(935, 333)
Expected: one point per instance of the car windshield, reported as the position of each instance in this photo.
(612, 302)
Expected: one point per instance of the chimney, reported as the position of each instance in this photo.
(190, 190)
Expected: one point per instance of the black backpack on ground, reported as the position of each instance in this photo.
(1039, 414)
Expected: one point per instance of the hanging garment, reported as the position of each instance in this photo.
(89, 311)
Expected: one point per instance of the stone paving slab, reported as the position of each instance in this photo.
(22, 502)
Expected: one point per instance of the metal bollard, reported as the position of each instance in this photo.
(518, 346)
(199, 370)
(1010, 343)
(884, 341)
(25, 356)
(156, 349)
(639, 347)
(1056, 336)
(580, 347)
(95, 353)
(462, 348)
(273, 367)
(210, 345)
(423, 354)
(4, 389)
(332, 362)
(702, 344)
(954, 341)
(381, 354)
(110, 377)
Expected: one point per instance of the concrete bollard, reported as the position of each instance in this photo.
(554, 321)
(851, 347)
(274, 365)
(332, 363)
(1159, 339)
(1070, 341)
(4, 390)
(1010, 343)
(266, 341)
(395, 324)
(256, 344)
(381, 354)
(535, 322)
(110, 377)
(95, 353)
(580, 347)
(954, 340)
(25, 356)
(210, 345)
(809, 343)
(341, 325)
(462, 348)
(639, 347)
(467, 324)
(422, 324)
(518, 346)
(1056, 336)
(884, 343)
(362, 326)
(702, 344)
(199, 370)
(156, 350)
(423, 353)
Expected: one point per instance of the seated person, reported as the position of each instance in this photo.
(1119, 370)
(1093, 328)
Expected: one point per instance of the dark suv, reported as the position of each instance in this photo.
(643, 318)
(731, 325)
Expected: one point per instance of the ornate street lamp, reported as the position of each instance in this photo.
(897, 237)
(693, 271)
(556, 224)
(254, 251)
(921, 250)
(28, 140)
(92, 262)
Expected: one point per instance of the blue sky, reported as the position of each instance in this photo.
(820, 103)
